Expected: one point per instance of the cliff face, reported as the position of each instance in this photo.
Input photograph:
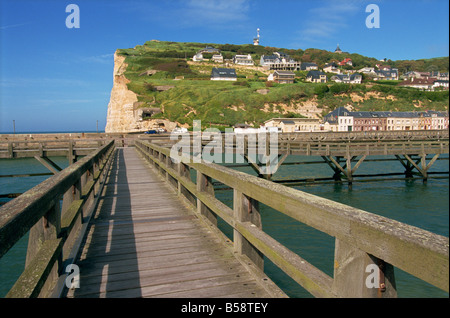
(124, 114)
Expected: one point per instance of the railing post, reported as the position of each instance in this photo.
(361, 275)
(247, 210)
(10, 150)
(89, 178)
(204, 184)
(47, 228)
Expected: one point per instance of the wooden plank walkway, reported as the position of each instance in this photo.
(144, 242)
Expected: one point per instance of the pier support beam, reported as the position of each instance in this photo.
(420, 164)
(345, 170)
(267, 169)
(50, 165)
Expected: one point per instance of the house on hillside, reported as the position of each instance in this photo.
(383, 67)
(346, 61)
(354, 78)
(305, 66)
(198, 57)
(209, 49)
(439, 76)
(440, 83)
(391, 74)
(316, 77)
(331, 68)
(223, 74)
(218, 58)
(282, 77)
(279, 61)
(415, 74)
(419, 83)
(243, 59)
(367, 70)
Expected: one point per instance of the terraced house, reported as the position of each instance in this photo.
(386, 74)
(345, 120)
(279, 61)
(240, 59)
(354, 78)
(316, 76)
(282, 77)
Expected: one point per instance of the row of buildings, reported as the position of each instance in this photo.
(344, 120)
(284, 67)
(341, 119)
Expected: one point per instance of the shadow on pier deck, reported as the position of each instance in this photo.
(144, 242)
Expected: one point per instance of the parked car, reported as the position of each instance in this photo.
(151, 132)
(179, 130)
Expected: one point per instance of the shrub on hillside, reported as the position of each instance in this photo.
(320, 90)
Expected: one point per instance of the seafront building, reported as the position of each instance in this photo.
(341, 119)
(295, 124)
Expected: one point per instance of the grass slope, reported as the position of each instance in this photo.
(223, 104)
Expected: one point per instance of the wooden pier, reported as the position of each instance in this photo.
(138, 224)
(144, 242)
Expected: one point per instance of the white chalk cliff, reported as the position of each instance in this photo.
(124, 114)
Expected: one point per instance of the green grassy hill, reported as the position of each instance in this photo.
(223, 104)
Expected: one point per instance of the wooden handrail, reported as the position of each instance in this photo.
(52, 226)
(373, 238)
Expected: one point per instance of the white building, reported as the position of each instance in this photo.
(218, 58)
(331, 68)
(243, 59)
(198, 57)
(345, 123)
(354, 78)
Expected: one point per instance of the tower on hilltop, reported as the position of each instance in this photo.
(338, 49)
(256, 40)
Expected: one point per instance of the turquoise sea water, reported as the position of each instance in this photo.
(413, 202)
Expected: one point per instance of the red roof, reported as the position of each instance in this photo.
(345, 61)
(418, 81)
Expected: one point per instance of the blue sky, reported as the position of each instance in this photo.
(53, 78)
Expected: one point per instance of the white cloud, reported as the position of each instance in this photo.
(193, 13)
(10, 26)
(328, 19)
(216, 11)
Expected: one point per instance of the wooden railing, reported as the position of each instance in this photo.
(359, 148)
(49, 148)
(55, 214)
(386, 135)
(361, 238)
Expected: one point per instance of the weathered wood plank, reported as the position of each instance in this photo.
(144, 242)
